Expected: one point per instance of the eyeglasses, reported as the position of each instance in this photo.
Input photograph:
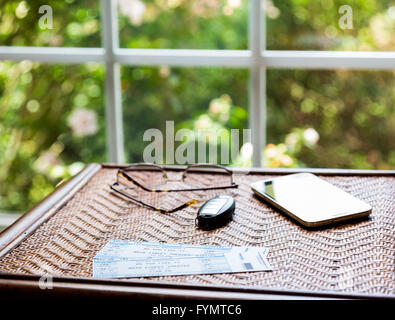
(155, 179)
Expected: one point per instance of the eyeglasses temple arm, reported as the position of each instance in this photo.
(183, 206)
(129, 178)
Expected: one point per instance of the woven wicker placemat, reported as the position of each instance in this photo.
(357, 257)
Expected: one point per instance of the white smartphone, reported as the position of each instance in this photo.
(310, 200)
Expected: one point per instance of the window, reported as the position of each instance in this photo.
(287, 94)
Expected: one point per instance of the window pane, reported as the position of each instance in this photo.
(197, 99)
(334, 119)
(355, 25)
(51, 122)
(69, 23)
(182, 24)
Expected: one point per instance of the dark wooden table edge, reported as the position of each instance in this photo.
(148, 290)
(141, 289)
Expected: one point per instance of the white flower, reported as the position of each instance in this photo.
(46, 160)
(203, 122)
(311, 136)
(271, 10)
(83, 122)
(271, 151)
(57, 171)
(21, 10)
(75, 168)
(291, 139)
(134, 9)
(246, 151)
(205, 8)
(234, 3)
(164, 71)
(215, 106)
(286, 160)
(391, 12)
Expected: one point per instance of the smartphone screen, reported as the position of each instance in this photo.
(309, 199)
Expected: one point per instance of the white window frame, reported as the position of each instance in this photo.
(257, 59)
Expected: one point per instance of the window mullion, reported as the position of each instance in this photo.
(257, 81)
(263, 100)
(113, 82)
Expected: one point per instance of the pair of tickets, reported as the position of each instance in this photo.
(127, 259)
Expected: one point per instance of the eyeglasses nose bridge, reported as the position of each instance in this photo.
(174, 177)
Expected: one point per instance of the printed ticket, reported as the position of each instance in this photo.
(125, 259)
(136, 249)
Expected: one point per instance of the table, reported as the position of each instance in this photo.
(60, 236)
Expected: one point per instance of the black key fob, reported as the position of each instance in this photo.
(216, 212)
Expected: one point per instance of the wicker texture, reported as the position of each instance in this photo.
(357, 257)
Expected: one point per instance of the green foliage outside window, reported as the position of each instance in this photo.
(52, 118)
